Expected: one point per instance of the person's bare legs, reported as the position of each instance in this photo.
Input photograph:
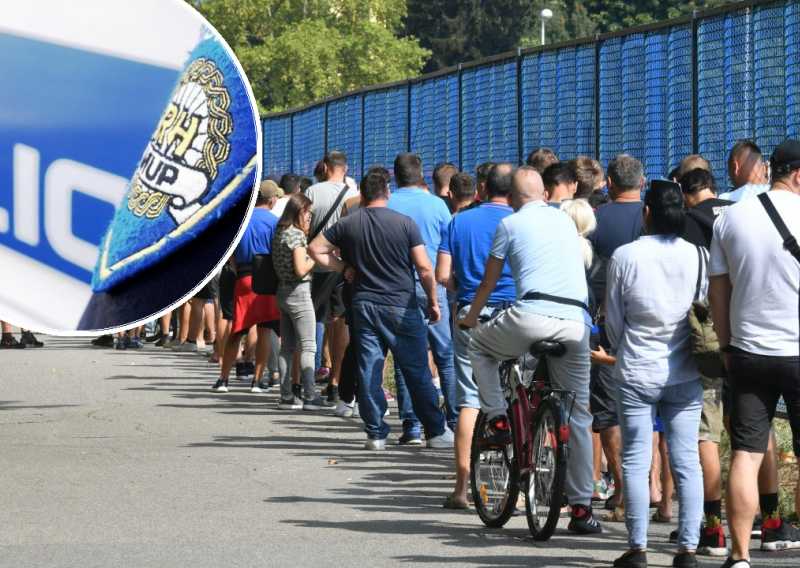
(465, 427)
(667, 481)
(183, 317)
(223, 336)
(655, 472)
(712, 472)
(741, 501)
(164, 322)
(611, 438)
(597, 454)
(195, 330)
(229, 355)
(338, 338)
(250, 346)
(208, 315)
(262, 352)
(5, 327)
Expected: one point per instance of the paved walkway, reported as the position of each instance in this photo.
(125, 458)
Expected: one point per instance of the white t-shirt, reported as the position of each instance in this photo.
(764, 275)
(323, 195)
(280, 205)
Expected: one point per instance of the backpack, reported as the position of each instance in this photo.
(705, 345)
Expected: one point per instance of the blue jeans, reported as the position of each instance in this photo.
(441, 343)
(402, 330)
(318, 355)
(680, 407)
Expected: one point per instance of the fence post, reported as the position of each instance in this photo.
(520, 150)
(695, 81)
(363, 131)
(408, 115)
(325, 142)
(460, 128)
(291, 139)
(597, 97)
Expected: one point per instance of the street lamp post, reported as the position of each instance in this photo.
(546, 15)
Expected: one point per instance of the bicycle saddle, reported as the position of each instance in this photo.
(549, 348)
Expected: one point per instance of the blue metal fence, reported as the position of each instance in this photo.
(695, 84)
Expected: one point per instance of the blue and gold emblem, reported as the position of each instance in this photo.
(200, 161)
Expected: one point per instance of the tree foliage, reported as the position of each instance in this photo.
(298, 51)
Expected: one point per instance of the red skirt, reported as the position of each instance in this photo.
(251, 309)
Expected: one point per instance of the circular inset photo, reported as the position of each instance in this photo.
(129, 154)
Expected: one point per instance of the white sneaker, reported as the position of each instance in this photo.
(201, 345)
(442, 441)
(344, 409)
(375, 445)
(184, 347)
(356, 413)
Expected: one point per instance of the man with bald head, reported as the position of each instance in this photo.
(542, 246)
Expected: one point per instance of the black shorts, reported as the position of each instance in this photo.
(326, 293)
(210, 291)
(603, 398)
(757, 382)
(227, 283)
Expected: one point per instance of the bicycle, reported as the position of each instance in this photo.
(536, 460)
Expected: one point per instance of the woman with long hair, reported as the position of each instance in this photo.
(652, 283)
(298, 323)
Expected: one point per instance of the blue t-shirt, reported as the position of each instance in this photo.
(468, 240)
(543, 248)
(429, 213)
(257, 237)
(618, 223)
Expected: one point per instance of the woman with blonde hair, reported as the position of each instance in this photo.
(583, 216)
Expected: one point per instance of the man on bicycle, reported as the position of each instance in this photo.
(543, 249)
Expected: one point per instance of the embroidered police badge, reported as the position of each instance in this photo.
(200, 161)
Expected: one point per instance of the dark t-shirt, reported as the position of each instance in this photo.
(618, 223)
(699, 233)
(447, 202)
(376, 242)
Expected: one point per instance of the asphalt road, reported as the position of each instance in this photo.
(125, 458)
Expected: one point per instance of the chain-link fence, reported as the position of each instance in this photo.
(695, 84)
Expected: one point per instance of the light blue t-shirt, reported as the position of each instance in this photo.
(469, 237)
(428, 211)
(543, 248)
(747, 191)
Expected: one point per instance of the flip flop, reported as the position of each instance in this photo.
(615, 516)
(659, 518)
(450, 503)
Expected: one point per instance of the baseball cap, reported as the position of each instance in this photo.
(786, 157)
(268, 189)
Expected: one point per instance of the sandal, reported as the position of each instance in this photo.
(615, 516)
(451, 503)
(659, 518)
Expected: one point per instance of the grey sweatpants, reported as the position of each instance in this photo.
(510, 336)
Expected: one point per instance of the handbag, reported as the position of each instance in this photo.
(265, 279)
(705, 345)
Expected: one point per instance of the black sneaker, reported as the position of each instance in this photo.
(333, 393)
(121, 344)
(258, 386)
(731, 563)
(251, 369)
(756, 527)
(220, 386)
(712, 542)
(673, 536)
(27, 338)
(779, 534)
(685, 560)
(297, 390)
(583, 522)
(103, 341)
(10, 342)
(632, 559)
(498, 432)
(162, 340)
(241, 372)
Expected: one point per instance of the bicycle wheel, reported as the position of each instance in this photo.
(544, 486)
(493, 478)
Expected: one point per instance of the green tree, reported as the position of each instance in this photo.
(295, 52)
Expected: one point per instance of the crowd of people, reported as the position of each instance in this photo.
(624, 274)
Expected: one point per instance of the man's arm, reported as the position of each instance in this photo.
(614, 304)
(322, 251)
(719, 296)
(444, 271)
(491, 275)
(425, 272)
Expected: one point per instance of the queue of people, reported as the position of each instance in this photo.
(624, 273)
